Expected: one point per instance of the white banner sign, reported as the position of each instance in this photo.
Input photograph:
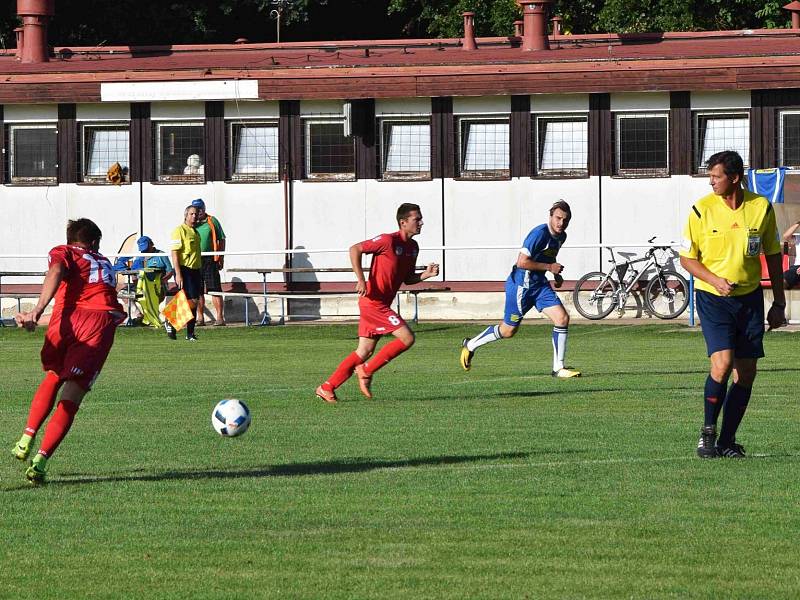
(152, 91)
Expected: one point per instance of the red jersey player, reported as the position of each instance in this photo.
(394, 257)
(80, 334)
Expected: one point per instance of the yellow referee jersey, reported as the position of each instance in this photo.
(729, 242)
(187, 242)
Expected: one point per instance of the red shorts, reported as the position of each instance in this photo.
(377, 319)
(77, 344)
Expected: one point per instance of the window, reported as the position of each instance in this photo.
(561, 145)
(102, 145)
(484, 147)
(789, 139)
(253, 151)
(329, 154)
(33, 157)
(180, 154)
(405, 148)
(715, 132)
(641, 144)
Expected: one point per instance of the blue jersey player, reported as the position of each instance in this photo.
(527, 286)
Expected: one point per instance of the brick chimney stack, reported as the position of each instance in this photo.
(794, 8)
(518, 29)
(32, 43)
(534, 14)
(556, 21)
(468, 43)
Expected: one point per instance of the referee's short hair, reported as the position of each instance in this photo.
(731, 163)
(561, 205)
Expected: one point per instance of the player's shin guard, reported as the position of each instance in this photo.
(713, 398)
(58, 426)
(42, 403)
(559, 347)
(735, 406)
(391, 350)
(488, 335)
(343, 371)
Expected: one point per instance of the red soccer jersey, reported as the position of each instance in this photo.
(88, 281)
(393, 260)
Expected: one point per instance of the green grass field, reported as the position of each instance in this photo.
(498, 483)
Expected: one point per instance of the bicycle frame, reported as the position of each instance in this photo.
(624, 289)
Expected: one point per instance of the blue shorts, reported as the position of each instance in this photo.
(520, 300)
(733, 322)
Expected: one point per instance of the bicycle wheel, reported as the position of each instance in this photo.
(595, 295)
(667, 295)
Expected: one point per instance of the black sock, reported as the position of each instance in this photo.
(735, 406)
(713, 397)
(190, 328)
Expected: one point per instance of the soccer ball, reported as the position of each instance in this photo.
(230, 418)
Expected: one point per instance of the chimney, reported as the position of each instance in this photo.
(518, 29)
(32, 44)
(534, 14)
(468, 43)
(556, 21)
(794, 8)
(18, 35)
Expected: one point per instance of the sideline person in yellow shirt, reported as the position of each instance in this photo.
(185, 251)
(726, 233)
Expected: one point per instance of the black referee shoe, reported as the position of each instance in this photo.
(706, 447)
(732, 450)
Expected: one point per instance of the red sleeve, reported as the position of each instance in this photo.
(376, 245)
(59, 254)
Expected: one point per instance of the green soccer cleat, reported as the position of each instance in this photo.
(466, 355)
(22, 448)
(37, 472)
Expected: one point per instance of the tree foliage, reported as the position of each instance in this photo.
(138, 22)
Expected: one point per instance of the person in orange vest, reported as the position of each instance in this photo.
(212, 239)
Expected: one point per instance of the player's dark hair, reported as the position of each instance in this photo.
(731, 163)
(406, 209)
(84, 231)
(561, 205)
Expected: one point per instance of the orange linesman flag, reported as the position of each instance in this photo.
(179, 311)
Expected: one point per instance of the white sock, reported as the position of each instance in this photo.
(490, 334)
(559, 347)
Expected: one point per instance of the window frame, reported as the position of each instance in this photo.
(231, 156)
(310, 121)
(536, 154)
(782, 139)
(698, 144)
(383, 154)
(176, 178)
(84, 159)
(639, 172)
(10, 129)
(461, 148)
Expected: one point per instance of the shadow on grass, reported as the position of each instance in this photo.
(336, 467)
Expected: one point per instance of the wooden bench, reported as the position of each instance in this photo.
(18, 296)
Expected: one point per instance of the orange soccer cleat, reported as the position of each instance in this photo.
(364, 380)
(328, 396)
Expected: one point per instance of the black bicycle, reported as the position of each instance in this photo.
(666, 295)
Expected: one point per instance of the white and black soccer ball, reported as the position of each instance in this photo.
(230, 418)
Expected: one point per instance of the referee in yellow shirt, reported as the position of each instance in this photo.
(726, 233)
(185, 251)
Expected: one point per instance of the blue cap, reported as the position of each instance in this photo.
(143, 243)
(198, 203)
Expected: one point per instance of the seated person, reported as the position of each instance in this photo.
(151, 287)
(791, 236)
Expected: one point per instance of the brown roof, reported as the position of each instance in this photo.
(757, 59)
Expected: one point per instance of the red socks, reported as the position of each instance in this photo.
(42, 403)
(343, 371)
(58, 426)
(388, 352)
